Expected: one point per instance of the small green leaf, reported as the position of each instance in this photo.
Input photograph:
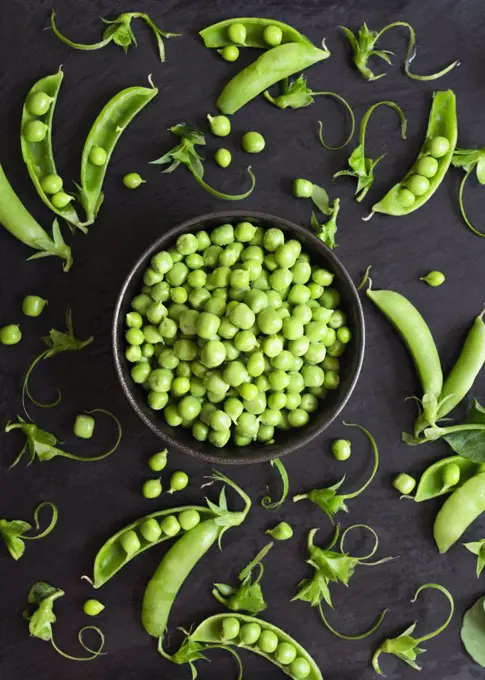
(473, 632)
(469, 443)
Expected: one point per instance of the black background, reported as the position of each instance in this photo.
(96, 499)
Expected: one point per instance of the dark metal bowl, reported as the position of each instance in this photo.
(285, 442)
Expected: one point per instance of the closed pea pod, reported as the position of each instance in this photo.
(105, 132)
(217, 35)
(459, 511)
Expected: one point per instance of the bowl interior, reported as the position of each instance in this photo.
(285, 441)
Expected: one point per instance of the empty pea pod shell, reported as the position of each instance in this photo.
(209, 633)
(431, 483)
(38, 156)
(216, 35)
(111, 557)
(270, 67)
(105, 132)
(459, 511)
(442, 123)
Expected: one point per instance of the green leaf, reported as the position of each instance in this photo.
(42, 595)
(326, 231)
(469, 443)
(477, 548)
(11, 533)
(473, 632)
(321, 200)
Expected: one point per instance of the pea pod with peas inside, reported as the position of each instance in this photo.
(245, 632)
(445, 476)
(255, 32)
(36, 145)
(182, 557)
(432, 163)
(101, 141)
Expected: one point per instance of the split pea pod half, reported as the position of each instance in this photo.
(429, 169)
(101, 141)
(255, 33)
(16, 219)
(459, 511)
(36, 145)
(224, 631)
(182, 557)
(269, 68)
(142, 534)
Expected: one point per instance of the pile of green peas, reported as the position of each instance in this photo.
(151, 530)
(282, 652)
(418, 183)
(236, 333)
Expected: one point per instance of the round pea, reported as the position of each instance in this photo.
(272, 35)
(406, 198)
(170, 525)
(172, 416)
(133, 180)
(331, 380)
(130, 542)
(277, 401)
(93, 607)
(336, 349)
(158, 461)
(229, 52)
(150, 530)
(39, 103)
(35, 131)
(249, 633)
(280, 278)
(230, 628)
(219, 439)
(316, 353)
(451, 474)
(300, 668)
(404, 483)
(223, 157)
(51, 184)
(97, 156)
(162, 262)
(269, 322)
(292, 328)
(236, 33)
(301, 274)
(302, 188)
(220, 125)
(330, 298)
(223, 235)
(417, 184)
(133, 353)
(434, 278)
(61, 200)
(427, 166)
(253, 142)
(186, 350)
(207, 325)
(298, 418)
(33, 305)
(285, 653)
(272, 345)
(152, 488)
(213, 353)
(179, 479)
(309, 402)
(244, 232)
(268, 641)
(247, 425)
(341, 449)
(140, 372)
(189, 519)
(273, 238)
(438, 147)
(84, 426)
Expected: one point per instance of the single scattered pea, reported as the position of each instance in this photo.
(133, 180)
(272, 35)
(98, 156)
(434, 278)
(253, 142)
(281, 532)
(33, 305)
(223, 157)
(302, 188)
(39, 103)
(178, 481)
(10, 335)
(229, 52)
(158, 461)
(93, 607)
(51, 184)
(220, 125)
(35, 131)
(84, 426)
(152, 488)
(60, 200)
(404, 483)
(341, 449)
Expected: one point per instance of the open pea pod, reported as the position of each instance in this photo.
(112, 556)
(217, 35)
(433, 482)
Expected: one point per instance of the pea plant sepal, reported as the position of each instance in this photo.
(478, 549)
(469, 160)
(186, 154)
(327, 498)
(12, 532)
(41, 444)
(119, 32)
(363, 46)
(405, 646)
(361, 167)
(248, 596)
(42, 597)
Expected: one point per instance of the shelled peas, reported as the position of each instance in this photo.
(236, 333)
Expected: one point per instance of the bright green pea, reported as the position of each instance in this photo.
(406, 198)
(344, 335)
(97, 155)
(273, 238)
(162, 262)
(434, 279)
(223, 157)
(253, 142)
(35, 131)
(300, 668)
(158, 461)
(93, 607)
(219, 421)
(265, 433)
(180, 386)
(331, 380)
(274, 299)
(61, 200)
(330, 298)
(272, 345)
(269, 322)
(168, 328)
(337, 319)
(249, 633)
(427, 166)
(130, 542)
(316, 353)
(323, 277)
(417, 184)
(341, 449)
(309, 402)
(33, 305)
(178, 481)
(438, 147)
(301, 274)
(336, 349)
(189, 519)
(284, 361)
(247, 425)
(51, 184)
(170, 525)
(239, 278)
(229, 52)
(451, 474)
(280, 278)
(272, 35)
(277, 401)
(213, 353)
(219, 439)
(292, 328)
(84, 426)
(134, 336)
(300, 346)
(236, 33)
(302, 188)
(157, 400)
(244, 232)
(150, 530)
(230, 628)
(219, 125)
(268, 641)
(404, 483)
(285, 653)
(133, 180)
(133, 319)
(39, 103)
(293, 401)
(140, 372)
(223, 235)
(133, 353)
(313, 376)
(152, 488)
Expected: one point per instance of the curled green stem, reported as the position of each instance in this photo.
(449, 597)
(94, 652)
(51, 525)
(220, 194)
(462, 205)
(361, 636)
(375, 450)
(266, 502)
(352, 122)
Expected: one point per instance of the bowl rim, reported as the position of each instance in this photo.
(266, 454)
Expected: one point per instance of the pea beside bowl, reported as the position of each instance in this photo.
(285, 441)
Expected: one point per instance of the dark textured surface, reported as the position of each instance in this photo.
(95, 500)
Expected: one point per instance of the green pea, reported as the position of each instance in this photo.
(272, 345)
(150, 530)
(242, 316)
(280, 279)
(268, 641)
(213, 353)
(162, 262)
(239, 278)
(158, 461)
(302, 188)
(152, 488)
(244, 232)
(404, 483)
(285, 653)
(51, 184)
(134, 336)
(223, 235)
(299, 347)
(61, 200)
(130, 542)
(300, 668)
(33, 305)
(84, 426)
(309, 402)
(302, 272)
(336, 349)
(330, 298)
(253, 142)
(323, 277)
(172, 416)
(168, 328)
(249, 633)
(189, 519)
(427, 166)
(157, 400)
(406, 198)
(35, 131)
(132, 180)
(277, 401)
(344, 335)
(39, 103)
(438, 147)
(247, 424)
(219, 421)
(434, 279)
(179, 479)
(230, 628)
(417, 184)
(219, 125)
(223, 157)
(98, 156)
(341, 449)
(269, 322)
(451, 474)
(272, 35)
(219, 439)
(140, 372)
(236, 33)
(292, 328)
(170, 525)
(298, 418)
(133, 353)
(93, 607)
(229, 52)
(331, 380)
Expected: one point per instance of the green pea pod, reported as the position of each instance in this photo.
(442, 124)
(111, 557)
(459, 511)
(38, 156)
(216, 35)
(270, 67)
(105, 132)
(432, 484)
(16, 219)
(209, 635)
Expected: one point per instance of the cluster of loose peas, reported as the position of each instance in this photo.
(418, 183)
(151, 530)
(236, 332)
(282, 652)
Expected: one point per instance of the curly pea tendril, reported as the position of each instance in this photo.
(13, 531)
(267, 502)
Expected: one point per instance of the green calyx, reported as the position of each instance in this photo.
(13, 532)
(478, 549)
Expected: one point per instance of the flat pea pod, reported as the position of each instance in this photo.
(442, 125)
(459, 511)
(111, 557)
(270, 67)
(38, 156)
(209, 634)
(467, 366)
(16, 219)
(415, 332)
(217, 35)
(105, 132)
(432, 482)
